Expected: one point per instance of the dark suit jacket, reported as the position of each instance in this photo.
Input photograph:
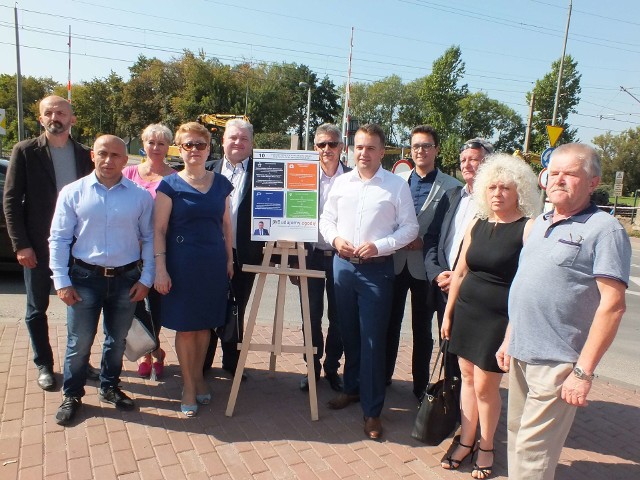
(30, 193)
(247, 251)
(264, 230)
(435, 258)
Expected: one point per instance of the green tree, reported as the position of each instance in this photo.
(33, 90)
(380, 102)
(620, 153)
(545, 92)
(488, 118)
(441, 94)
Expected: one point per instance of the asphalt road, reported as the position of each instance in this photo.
(620, 364)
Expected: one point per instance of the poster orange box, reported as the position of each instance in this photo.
(302, 176)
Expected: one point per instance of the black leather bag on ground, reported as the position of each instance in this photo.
(229, 332)
(440, 404)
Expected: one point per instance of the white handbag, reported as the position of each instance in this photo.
(140, 340)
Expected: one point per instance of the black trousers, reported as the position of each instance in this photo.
(242, 283)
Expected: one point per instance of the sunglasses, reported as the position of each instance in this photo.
(474, 145)
(191, 145)
(424, 146)
(324, 144)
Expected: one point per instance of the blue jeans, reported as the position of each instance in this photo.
(364, 293)
(37, 282)
(333, 348)
(106, 295)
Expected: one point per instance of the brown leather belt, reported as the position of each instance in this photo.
(106, 271)
(361, 261)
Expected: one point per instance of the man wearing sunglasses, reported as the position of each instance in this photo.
(428, 185)
(328, 144)
(237, 166)
(444, 238)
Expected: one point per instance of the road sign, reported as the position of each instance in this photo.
(543, 176)
(3, 122)
(617, 186)
(545, 158)
(401, 166)
(554, 133)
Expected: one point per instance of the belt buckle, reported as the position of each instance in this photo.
(355, 260)
(109, 272)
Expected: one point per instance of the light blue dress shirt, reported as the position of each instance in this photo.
(110, 226)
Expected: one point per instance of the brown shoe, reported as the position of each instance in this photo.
(343, 400)
(373, 427)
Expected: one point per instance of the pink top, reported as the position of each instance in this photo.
(131, 172)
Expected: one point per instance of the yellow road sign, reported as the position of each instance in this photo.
(554, 133)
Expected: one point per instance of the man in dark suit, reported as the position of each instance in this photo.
(237, 166)
(443, 239)
(428, 185)
(38, 170)
(261, 230)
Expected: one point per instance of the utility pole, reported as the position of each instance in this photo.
(527, 134)
(18, 80)
(564, 49)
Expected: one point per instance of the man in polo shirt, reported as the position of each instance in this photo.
(579, 258)
(102, 227)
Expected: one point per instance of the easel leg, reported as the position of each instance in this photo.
(308, 342)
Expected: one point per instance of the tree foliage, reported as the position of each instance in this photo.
(620, 153)
(545, 93)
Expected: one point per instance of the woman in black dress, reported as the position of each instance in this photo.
(475, 319)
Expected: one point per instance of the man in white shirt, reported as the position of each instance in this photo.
(328, 144)
(237, 166)
(369, 214)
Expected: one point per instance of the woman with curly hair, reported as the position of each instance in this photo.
(475, 318)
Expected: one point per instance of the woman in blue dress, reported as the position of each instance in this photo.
(194, 260)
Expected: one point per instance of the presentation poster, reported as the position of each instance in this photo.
(285, 195)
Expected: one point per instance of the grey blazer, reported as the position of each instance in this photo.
(414, 259)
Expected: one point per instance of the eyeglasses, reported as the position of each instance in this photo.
(475, 145)
(321, 145)
(191, 145)
(424, 146)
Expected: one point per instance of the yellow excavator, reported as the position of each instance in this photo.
(215, 123)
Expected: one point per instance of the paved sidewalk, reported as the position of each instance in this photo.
(269, 436)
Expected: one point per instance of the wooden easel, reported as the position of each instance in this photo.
(283, 248)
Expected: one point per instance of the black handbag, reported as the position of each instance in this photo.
(230, 331)
(440, 404)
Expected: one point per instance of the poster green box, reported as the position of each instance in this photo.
(302, 205)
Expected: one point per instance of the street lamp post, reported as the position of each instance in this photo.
(306, 136)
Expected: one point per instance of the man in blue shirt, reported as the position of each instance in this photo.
(110, 220)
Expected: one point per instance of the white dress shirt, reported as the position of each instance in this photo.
(379, 210)
(326, 182)
(236, 176)
(467, 210)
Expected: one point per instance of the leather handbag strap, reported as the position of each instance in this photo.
(442, 352)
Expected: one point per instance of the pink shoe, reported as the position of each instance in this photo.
(144, 368)
(158, 365)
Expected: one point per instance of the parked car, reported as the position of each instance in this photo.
(7, 257)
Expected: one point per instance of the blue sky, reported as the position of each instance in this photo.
(506, 44)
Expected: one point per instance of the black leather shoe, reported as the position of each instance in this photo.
(116, 397)
(46, 379)
(334, 381)
(93, 373)
(67, 410)
(304, 383)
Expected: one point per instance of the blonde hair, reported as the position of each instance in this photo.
(194, 128)
(500, 167)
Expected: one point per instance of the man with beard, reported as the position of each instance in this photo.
(38, 170)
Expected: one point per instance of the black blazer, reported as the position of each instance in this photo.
(30, 193)
(247, 250)
(435, 258)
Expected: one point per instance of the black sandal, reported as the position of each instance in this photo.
(454, 464)
(486, 471)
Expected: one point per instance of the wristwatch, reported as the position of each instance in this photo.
(582, 375)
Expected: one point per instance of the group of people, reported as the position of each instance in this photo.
(538, 296)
